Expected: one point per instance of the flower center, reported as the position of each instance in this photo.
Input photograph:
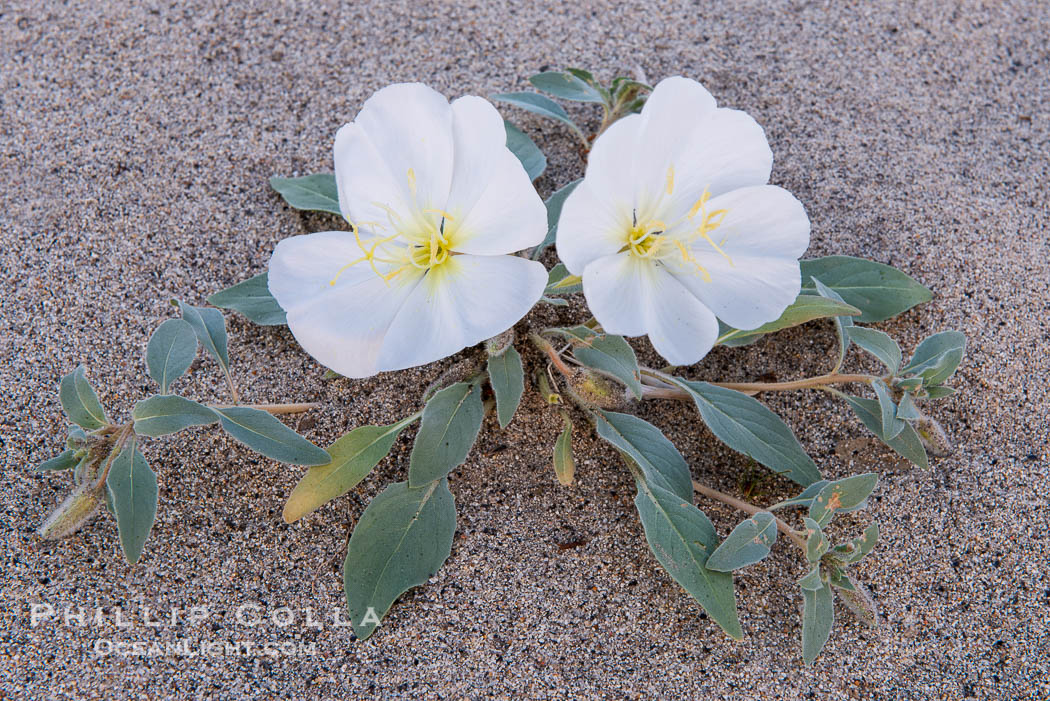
(650, 239)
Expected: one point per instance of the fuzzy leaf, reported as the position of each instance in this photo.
(210, 327)
(907, 443)
(842, 495)
(353, 457)
(402, 539)
(170, 352)
(681, 537)
(451, 421)
(878, 290)
(530, 155)
(816, 541)
(879, 345)
(263, 433)
(937, 358)
(66, 460)
(660, 462)
(567, 86)
(804, 309)
(858, 548)
(805, 498)
(252, 298)
(747, 426)
(80, 402)
(507, 377)
(891, 425)
(561, 282)
(132, 488)
(541, 105)
(747, 544)
(842, 323)
(162, 414)
(614, 355)
(818, 617)
(564, 464)
(317, 193)
(906, 409)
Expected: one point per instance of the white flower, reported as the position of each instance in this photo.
(674, 225)
(436, 202)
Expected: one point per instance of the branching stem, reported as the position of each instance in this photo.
(751, 510)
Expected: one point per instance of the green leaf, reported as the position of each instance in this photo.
(805, 498)
(747, 426)
(567, 86)
(614, 355)
(507, 377)
(168, 413)
(263, 433)
(878, 344)
(252, 298)
(907, 444)
(816, 542)
(878, 290)
(170, 352)
(681, 537)
(747, 544)
(541, 105)
(907, 410)
(858, 548)
(842, 323)
(658, 459)
(317, 193)
(576, 334)
(937, 357)
(132, 487)
(940, 392)
(891, 425)
(451, 421)
(564, 464)
(210, 327)
(80, 402)
(402, 539)
(561, 282)
(66, 460)
(818, 617)
(554, 204)
(908, 384)
(842, 495)
(530, 155)
(353, 457)
(812, 581)
(804, 309)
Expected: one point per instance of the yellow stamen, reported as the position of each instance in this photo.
(412, 181)
(688, 257)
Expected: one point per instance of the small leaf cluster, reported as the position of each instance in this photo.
(105, 458)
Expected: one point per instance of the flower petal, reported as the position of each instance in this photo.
(368, 192)
(463, 302)
(764, 232)
(496, 207)
(631, 296)
(590, 227)
(411, 127)
(341, 325)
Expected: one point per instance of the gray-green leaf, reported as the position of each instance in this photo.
(842, 495)
(816, 541)
(402, 539)
(567, 86)
(749, 543)
(132, 487)
(907, 410)
(907, 443)
(681, 537)
(805, 498)
(541, 105)
(614, 355)
(937, 357)
(451, 421)
(891, 425)
(170, 352)
(530, 155)
(263, 433)
(162, 414)
(561, 282)
(804, 309)
(878, 344)
(858, 548)
(554, 204)
(747, 426)
(818, 617)
(507, 377)
(878, 290)
(660, 462)
(841, 322)
(353, 457)
(317, 192)
(210, 327)
(252, 298)
(66, 460)
(80, 402)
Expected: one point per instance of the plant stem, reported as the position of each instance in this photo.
(272, 408)
(818, 382)
(749, 509)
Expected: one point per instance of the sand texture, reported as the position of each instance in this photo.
(136, 140)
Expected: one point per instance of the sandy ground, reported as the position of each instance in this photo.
(135, 144)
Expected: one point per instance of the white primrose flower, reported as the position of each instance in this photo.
(674, 226)
(436, 203)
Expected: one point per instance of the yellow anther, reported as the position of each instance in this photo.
(442, 212)
(688, 257)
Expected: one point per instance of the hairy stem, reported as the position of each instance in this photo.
(669, 391)
(272, 408)
(749, 509)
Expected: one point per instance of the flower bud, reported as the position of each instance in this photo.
(78, 508)
(933, 436)
(591, 389)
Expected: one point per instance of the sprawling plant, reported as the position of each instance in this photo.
(673, 233)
